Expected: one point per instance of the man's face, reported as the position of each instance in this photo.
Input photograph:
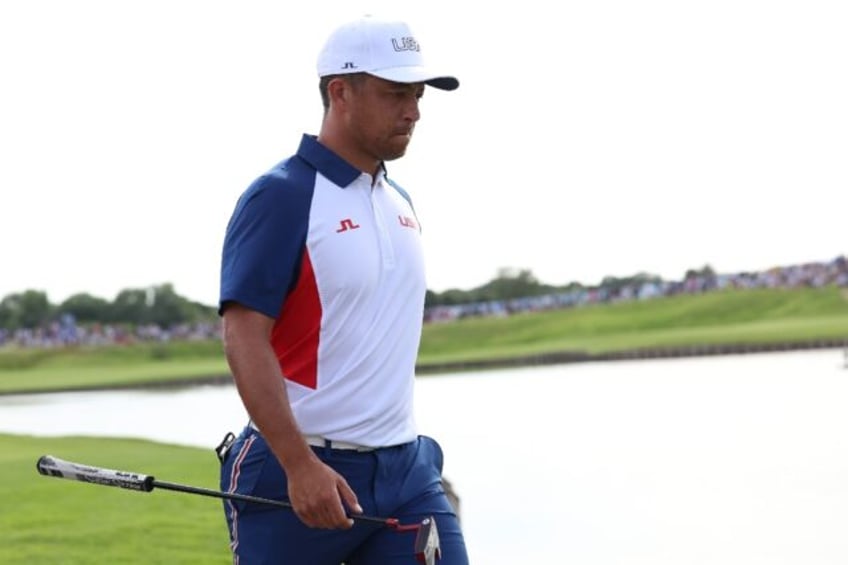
(383, 115)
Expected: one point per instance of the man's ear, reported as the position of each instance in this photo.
(338, 91)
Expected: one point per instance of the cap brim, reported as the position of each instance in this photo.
(409, 75)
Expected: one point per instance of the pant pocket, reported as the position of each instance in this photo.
(245, 471)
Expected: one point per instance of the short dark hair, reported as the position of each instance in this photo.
(353, 78)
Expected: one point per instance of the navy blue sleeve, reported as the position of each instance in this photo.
(265, 241)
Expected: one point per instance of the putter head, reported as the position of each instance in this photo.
(427, 548)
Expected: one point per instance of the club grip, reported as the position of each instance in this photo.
(53, 467)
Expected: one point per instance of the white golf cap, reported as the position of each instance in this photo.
(383, 48)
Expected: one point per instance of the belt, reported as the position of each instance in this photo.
(317, 441)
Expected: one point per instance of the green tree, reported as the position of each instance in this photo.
(512, 283)
(86, 308)
(159, 305)
(615, 284)
(508, 283)
(129, 307)
(166, 307)
(706, 272)
(450, 297)
(156, 304)
(28, 309)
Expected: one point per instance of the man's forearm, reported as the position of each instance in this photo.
(263, 391)
(318, 494)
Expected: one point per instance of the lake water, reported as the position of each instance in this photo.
(718, 460)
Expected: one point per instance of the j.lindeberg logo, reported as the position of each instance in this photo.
(348, 65)
(346, 224)
(405, 44)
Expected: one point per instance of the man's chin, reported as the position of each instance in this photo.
(392, 153)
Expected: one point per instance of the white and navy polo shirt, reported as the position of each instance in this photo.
(338, 263)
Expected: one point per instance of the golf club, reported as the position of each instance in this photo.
(427, 548)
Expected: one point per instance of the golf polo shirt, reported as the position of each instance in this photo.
(338, 263)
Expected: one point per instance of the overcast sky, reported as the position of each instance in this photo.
(587, 138)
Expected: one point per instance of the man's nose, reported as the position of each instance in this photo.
(411, 111)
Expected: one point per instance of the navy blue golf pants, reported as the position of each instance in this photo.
(402, 482)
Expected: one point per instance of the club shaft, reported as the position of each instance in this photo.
(51, 466)
(255, 500)
(55, 467)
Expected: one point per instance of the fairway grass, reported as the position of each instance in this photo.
(49, 520)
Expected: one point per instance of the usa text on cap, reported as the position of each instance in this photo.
(383, 48)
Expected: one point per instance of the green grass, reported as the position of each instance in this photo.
(133, 372)
(50, 520)
(717, 318)
(68, 357)
(84, 367)
(739, 316)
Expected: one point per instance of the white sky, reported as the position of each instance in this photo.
(587, 138)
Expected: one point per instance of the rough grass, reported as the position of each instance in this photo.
(50, 520)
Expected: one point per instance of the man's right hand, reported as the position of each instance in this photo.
(319, 495)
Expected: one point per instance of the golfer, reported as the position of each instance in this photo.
(322, 296)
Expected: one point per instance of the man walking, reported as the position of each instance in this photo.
(322, 294)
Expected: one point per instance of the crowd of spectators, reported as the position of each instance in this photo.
(67, 332)
(813, 275)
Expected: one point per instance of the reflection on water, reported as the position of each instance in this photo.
(723, 460)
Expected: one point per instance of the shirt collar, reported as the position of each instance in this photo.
(339, 171)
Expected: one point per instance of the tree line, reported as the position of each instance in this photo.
(159, 305)
(162, 306)
(512, 283)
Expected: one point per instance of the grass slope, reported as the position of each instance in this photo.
(716, 318)
(49, 520)
(81, 367)
(739, 316)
